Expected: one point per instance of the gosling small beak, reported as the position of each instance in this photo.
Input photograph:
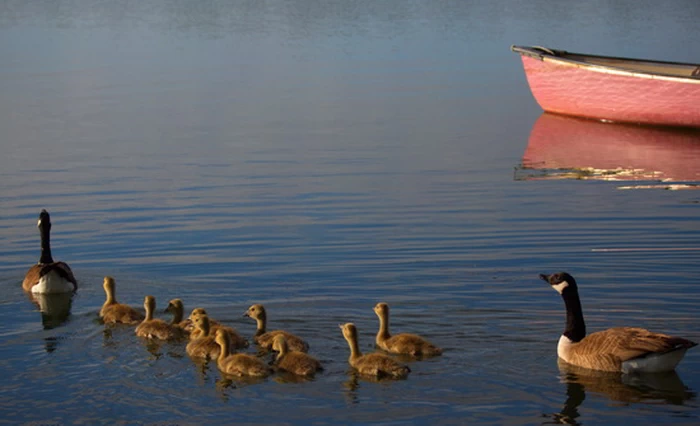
(246, 314)
(340, 326)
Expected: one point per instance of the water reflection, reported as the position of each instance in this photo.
(54, 308)
(562, 147)
(622, 388)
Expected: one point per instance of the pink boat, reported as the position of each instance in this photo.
(613, 89)
(562, 147)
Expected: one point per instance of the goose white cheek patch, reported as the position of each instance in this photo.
(560, 287)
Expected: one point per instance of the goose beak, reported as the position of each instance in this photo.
(545, 277)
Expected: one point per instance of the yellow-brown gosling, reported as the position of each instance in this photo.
(238, 364)
(48, 276)
(177, 308)
(619, 349)
(203, 346)
(113, 312)
(237, 341)
(295, 362)
(404, 343)
(154, 328)
(265, 338)
(375, 364)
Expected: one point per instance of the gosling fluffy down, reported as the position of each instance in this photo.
(154, 328)
(295, 362)
(113, 312)
(404, 343)
(237, 341)
(238, 364)
(264, 338)
(375, 364)
(203, 346)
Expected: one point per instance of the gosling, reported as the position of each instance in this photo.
(375, 364)
(154, 328)
(265, 339)
(113, 312)
(237, 341)
(238, 364)
(295, 362)
(404, 343)
(203, 346)
(177, 308)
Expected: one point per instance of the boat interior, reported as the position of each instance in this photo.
(680, 70)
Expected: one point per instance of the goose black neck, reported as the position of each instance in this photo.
(45, 231)
(575, 325)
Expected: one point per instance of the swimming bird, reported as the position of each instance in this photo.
(295, 362)
(404, 343)
(237, 341)
(48, 276)
(619, 349)
(204, 345)
(177, 308)
(375, 364)
(113, 312)
(264, 339)
(238, 364)
(155, 328)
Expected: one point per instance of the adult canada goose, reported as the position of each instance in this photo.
(295, 362)
(48, 276)
(375, 364)
(113, 312)
(154, 328)
(404, 343)
(265, 338)
(238, 364)
(619, 349)
(204, 345)
(237, 341)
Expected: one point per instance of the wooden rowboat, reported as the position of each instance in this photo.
(613, 89)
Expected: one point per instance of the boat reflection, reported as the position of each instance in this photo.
(621, 388)
(54, 308)
(563, 147)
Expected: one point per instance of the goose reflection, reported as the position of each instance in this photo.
(54, 307)
(621, 388)
(563, 147)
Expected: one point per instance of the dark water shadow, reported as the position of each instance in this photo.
(55, 308)
(623, 389)
(561, 147)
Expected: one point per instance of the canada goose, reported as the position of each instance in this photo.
(264, 339)
(48, 276)
(203, 346)
(154, 328)
(238, 364)
(295, 362)
(237, 341)
(113, 312)
(620, 349)
(375, 364)
(404, 343)
(177, 308)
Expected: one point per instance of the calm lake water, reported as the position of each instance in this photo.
(319, 157)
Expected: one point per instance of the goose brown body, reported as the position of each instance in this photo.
(204, 345)
(113, 312)
(237, 341)
(375, 364)
(48, 276)
(238, 364)
(154, 328)
(619, 349)
(295, 362)
(404, 343)
(265, 338)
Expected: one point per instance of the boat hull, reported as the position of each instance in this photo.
(567, 87)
